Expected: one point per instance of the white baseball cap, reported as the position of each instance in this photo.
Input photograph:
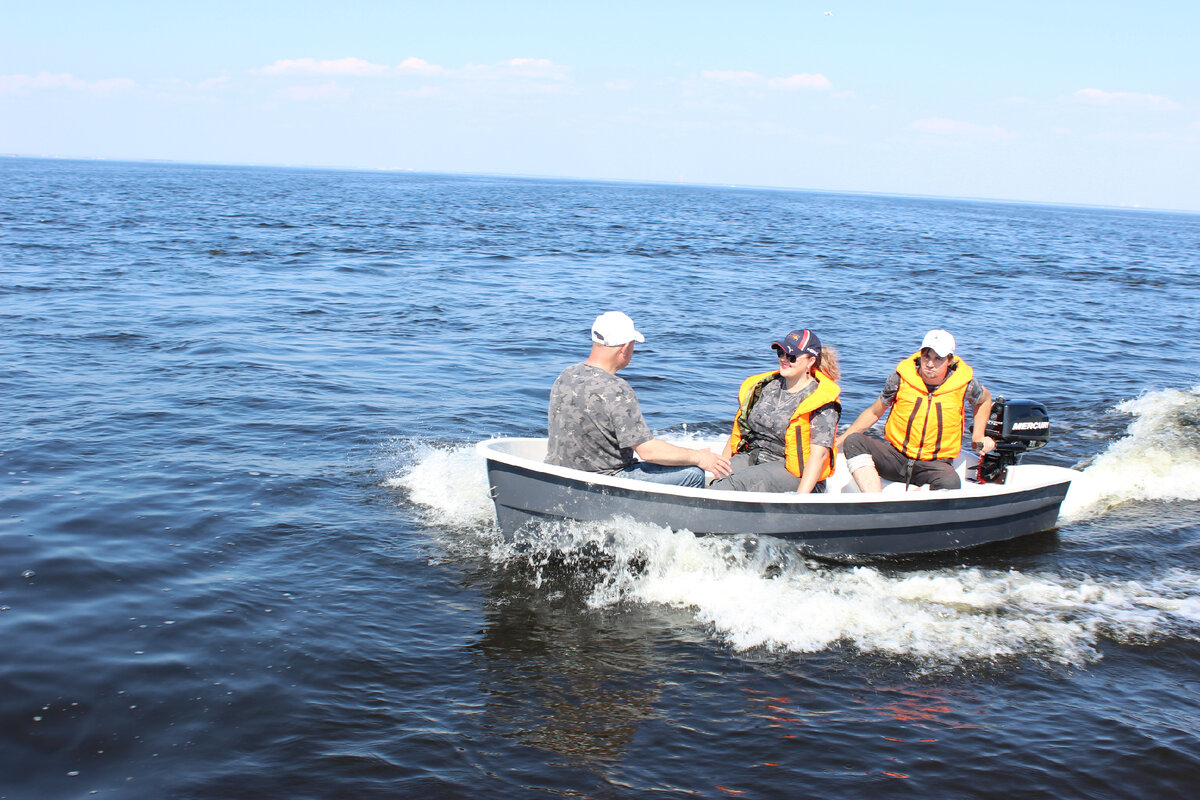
(613, 329)
(939, 341)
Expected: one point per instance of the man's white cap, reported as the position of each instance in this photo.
(940, 342)
(613, 329)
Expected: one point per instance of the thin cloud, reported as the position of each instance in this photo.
(516, 69)
(1126, 100)
(533, 66)
(516, 76)
(105, 87)
(939, 126)
(322, 92)
(733, 78)
(311, 66)
(529, 68)
(802, 81)
(418, 66)
(513, 76)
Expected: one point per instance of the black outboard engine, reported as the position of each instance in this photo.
(1015, 426)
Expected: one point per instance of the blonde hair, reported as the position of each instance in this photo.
(827, 362)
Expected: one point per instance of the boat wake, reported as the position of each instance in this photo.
(1157, 460)
(752, 592)
(761, 593)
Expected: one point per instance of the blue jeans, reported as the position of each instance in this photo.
(659, 473)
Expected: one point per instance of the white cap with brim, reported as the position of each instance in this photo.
(940, 342)
(613, 329)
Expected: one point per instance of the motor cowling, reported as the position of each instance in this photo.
(1016, 426)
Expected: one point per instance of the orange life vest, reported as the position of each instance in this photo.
(796, 437)
(927, 425)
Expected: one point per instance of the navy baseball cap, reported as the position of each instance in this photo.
(800, 341)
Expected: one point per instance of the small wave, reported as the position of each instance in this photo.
(761, 593)
(26, 288)
(1158, 460)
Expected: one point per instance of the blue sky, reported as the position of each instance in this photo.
(1080, 102)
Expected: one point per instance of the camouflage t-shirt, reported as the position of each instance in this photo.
(595, 421)
(771, 414)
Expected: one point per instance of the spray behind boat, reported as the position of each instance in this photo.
(1015, 426)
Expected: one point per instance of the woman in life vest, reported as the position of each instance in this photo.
(784, 432)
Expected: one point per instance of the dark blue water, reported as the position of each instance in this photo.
(247, 549)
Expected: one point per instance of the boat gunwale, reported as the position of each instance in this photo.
(487, 449)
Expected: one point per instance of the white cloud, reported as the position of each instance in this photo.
(110, 86)
(105, 87)
(528, 68)
(1126, 100)
(418, 66)
(324, 91)
(802, 80)
(532, 66)
(517, 76)
(799, 81)
(522, 74)
(940, 126)
(11, 84)
(311, 66)
(733, 78)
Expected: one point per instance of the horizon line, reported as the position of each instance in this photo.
(646, 182)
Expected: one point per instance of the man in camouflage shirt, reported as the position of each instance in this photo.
(596, 424)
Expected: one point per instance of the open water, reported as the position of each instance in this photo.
(247, 551)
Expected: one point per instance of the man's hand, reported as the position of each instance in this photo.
(985, 445)
(712, 462)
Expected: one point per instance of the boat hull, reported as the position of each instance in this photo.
(527, 491)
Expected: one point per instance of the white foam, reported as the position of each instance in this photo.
(450, 482)
(753, 595)
(1158, 459)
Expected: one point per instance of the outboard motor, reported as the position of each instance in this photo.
(1015, 426)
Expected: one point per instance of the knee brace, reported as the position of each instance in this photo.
(855, 463)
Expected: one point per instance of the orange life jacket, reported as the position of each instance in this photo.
(927, 425)
(796, 437)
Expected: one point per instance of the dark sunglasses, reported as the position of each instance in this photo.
(780, 354)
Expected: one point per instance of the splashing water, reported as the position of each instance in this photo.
(760, 593)
(753, 592)
(1159, 458)
(449, 483)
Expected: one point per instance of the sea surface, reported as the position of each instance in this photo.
(247, 549)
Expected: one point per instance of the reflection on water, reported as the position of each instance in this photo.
(562, 677)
